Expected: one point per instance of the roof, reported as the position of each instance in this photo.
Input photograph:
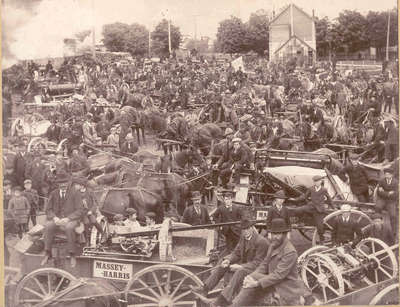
(295, 37)
(284, 10)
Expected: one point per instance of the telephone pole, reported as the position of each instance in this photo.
(387, 38)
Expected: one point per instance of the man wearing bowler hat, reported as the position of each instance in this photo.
(276, 274)
(64, 211)
(243, 260)
(317, 198)
(277, 210)
(196, 214)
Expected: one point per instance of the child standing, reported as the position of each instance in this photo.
(19, 208)
(33, 197)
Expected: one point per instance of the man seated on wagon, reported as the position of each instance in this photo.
(64, 211)
(277, 210)
(358, 181)
(244, 259)
(78, 162)
(346, 230)
(277, 275)
(196, 214)
(89, 132)
(317, 197)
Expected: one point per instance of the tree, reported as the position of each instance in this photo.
(121, 37)
(201, 45)
(115, 36)
(257, 36)
(377, 23)
(231, 36)
(352, 27)
(137, 39)
(82, 35)
(159, 38)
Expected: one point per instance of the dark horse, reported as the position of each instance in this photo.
(146, 192)
(177, 161)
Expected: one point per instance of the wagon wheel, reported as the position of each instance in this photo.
(378, 253)
(41, 285)
(62, 145)
(312, 250)
(323, 277)
(356, 215)
(388, 296)
(35, 142)
(162, 285)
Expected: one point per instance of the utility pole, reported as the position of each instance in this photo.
(169, 36)
(93, 32)
(149, 44)
(387, 38)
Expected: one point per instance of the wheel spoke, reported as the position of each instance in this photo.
(312, 273)
(329, 226)
(362, 252)
(387, 267)
(143, 305)
(33, 292)
(40, 285)
(167, 287)
(49, 282)
(185, 303)
(385, 272)
(157, 282)
(178, 286)
(30, 300)
(333, 289)
(376, 276)
(181, 295)
(324, 293)
(152, 299)
(373, 247)
(148, 288)
(59, 284)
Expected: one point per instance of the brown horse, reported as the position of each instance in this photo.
(145, 192)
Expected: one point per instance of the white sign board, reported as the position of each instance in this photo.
(112, 270)
(262, 215)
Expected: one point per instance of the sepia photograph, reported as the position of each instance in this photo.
(162, 153)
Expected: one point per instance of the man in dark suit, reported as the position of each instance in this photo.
(20, 164)
(244, 259)
(358, 181)
(387, 199)
(196, 214)
(64, 211)
(277, 210)
(277, 272)
(226, 212)
(345, 229)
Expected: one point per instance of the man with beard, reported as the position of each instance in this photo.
(244, 259)
(276, 274)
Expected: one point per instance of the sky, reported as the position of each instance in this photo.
(36, 28)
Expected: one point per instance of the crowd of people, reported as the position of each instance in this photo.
(254, 110)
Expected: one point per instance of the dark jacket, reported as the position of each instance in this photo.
(191, 217)
(343, 231)
(249, 253)
(19, 168)
(274, 213)
(386, 188)
(223, 215)
(358, 178)
(279, 269)
(72, 207)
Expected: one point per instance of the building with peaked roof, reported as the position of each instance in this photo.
(292, 34)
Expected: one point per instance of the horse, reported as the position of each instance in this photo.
(146, 192)
(203, 136)
(177, 161)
